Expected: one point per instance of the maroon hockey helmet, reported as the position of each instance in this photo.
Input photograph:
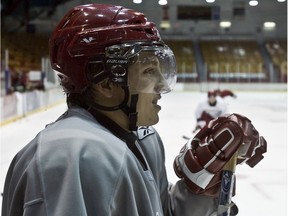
(211, 93)
(84, 33)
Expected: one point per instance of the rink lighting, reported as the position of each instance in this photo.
(281, 0)
(225, 24)
(137, 1)
(165, 24)
(269, 25)
(162, 2)
(253, 3)
(210, 1)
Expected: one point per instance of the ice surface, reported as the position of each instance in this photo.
(261, 191)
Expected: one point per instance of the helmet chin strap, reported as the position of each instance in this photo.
(131, 111)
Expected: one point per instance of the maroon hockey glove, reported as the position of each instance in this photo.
(202, 159)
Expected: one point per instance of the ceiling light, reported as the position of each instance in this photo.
(253, 2)
(281, 0)
(137, 1)
(225, 24)
(162, 2)
(210, 1)
(165, 24)
(269, 25)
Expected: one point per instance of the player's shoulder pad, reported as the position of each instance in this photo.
(144, 131)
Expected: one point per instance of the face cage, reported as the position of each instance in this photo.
(152, 67)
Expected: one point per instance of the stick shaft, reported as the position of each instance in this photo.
(227, 187)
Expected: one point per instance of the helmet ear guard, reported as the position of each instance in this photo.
(118, 70)
(114, 69)
(95, 72)
(118, 58)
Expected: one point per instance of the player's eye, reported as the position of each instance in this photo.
(149, 71)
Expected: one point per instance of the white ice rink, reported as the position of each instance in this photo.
(261, 191)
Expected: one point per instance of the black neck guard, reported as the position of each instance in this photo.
(128, 137)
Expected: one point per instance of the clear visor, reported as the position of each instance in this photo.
(152, 70)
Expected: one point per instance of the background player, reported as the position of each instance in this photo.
(209, 109)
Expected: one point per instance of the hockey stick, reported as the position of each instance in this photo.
(227, 186)
(186, 137)
(193, 132)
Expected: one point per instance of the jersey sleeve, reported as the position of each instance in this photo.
(184, 203)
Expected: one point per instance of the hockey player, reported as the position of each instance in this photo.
(102, 157)
(209, 109)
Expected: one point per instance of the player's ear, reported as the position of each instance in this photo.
(105, 88)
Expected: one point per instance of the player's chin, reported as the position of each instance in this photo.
(155, 120)
(150, 120)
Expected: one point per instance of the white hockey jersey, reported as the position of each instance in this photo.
(214, 111)
(76, 167)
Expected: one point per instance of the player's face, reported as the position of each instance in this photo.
(145, 79)
(148, 109)
(212, 99)
(145, 75)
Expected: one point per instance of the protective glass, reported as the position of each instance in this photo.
(153, 71)
(151, 68)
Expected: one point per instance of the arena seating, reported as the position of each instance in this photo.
(25, 50)
(278, 54)
(233, 60)
(185, 57)
(224, 60)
